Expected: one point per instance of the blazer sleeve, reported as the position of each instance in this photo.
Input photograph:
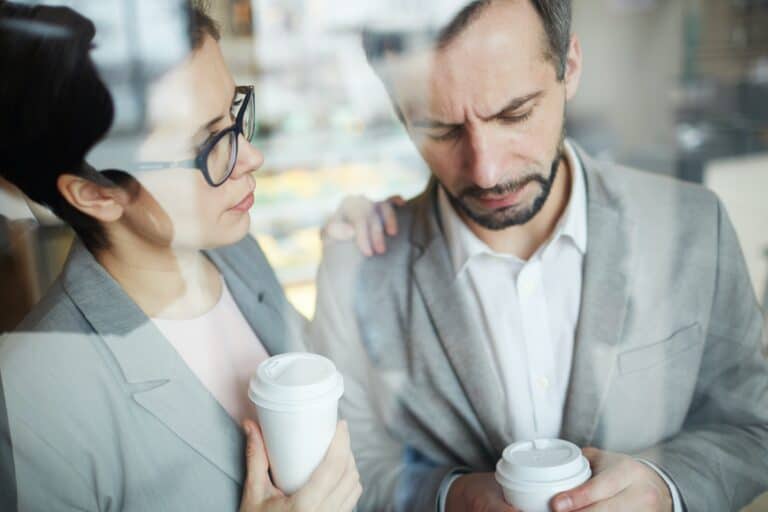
(719, 461)
(394, 476)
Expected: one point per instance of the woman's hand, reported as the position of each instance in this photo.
(367, 221)
(333, 487)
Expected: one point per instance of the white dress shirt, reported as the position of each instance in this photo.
(530, 312)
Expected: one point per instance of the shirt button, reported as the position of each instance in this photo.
(543, 383)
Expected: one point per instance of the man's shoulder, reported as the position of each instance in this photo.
(648, 198)
(642, 186)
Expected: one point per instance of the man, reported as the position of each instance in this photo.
(533, 292)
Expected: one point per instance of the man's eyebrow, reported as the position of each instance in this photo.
(432, 124)
(514, 104)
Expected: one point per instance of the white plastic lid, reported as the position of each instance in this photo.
(543, 462)
(295, 380)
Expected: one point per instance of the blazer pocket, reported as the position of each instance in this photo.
(643, 358)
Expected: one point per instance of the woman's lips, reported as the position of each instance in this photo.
(245, 204)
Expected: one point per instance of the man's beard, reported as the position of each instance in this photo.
(511, 215)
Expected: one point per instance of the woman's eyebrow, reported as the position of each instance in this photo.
(207, 126)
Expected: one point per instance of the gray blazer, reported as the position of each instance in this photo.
(99, 412)
(667, 362)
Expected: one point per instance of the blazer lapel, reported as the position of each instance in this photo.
(603, 309)
(259, 296)
(158, 379)
(458, 323)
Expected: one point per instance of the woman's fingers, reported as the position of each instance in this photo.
(257, 487)
(328, 474)
(367, 222)
(337, 230)
(388, 216)
(348, 487)
(376, 233)
(363, 238)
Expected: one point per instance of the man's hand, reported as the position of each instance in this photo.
(333, 487)
(476, 492)
(368, 222)
(619, 483)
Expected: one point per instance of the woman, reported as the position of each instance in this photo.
(124, 388)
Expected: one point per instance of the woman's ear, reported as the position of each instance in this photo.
(103, 203)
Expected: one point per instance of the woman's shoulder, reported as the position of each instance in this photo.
(53, 334)
(55, 312)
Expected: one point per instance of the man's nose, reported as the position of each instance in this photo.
(249, 159)
(484, 158)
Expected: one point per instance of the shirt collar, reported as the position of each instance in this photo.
(463, 244)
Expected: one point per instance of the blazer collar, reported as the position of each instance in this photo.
(601, 319)
(157, 377)
(604, 302)
(138, 346)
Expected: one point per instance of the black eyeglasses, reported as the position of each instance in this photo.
(217, 157)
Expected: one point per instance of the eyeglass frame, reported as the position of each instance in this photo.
(200, 162)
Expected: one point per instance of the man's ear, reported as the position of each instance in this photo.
(103, 203)
(573, 68)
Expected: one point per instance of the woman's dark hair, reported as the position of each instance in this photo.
(55, 107)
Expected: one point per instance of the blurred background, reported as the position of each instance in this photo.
(678, 87)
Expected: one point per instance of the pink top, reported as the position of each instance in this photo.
(222, 350)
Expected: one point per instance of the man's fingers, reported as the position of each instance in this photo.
(632, 499)
(593, 455)
(601, 487)
(396, 200)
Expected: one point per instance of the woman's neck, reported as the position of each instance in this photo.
(164, 282)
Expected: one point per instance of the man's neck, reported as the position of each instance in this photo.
(524, 240)
(163, 282)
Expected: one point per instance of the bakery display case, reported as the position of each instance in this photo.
(325, 125)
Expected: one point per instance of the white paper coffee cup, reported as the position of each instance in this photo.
(531, 473)
(296, 397)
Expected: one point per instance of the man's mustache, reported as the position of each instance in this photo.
(503, 188)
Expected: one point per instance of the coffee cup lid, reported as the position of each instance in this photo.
(287, 381)
(541, 462)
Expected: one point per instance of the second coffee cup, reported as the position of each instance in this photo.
(531, 473)
(296, 397)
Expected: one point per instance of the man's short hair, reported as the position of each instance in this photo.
(555, 15)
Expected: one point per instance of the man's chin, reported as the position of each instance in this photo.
(501, 218)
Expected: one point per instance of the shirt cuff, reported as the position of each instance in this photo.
(442, 495)
(677, 500)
